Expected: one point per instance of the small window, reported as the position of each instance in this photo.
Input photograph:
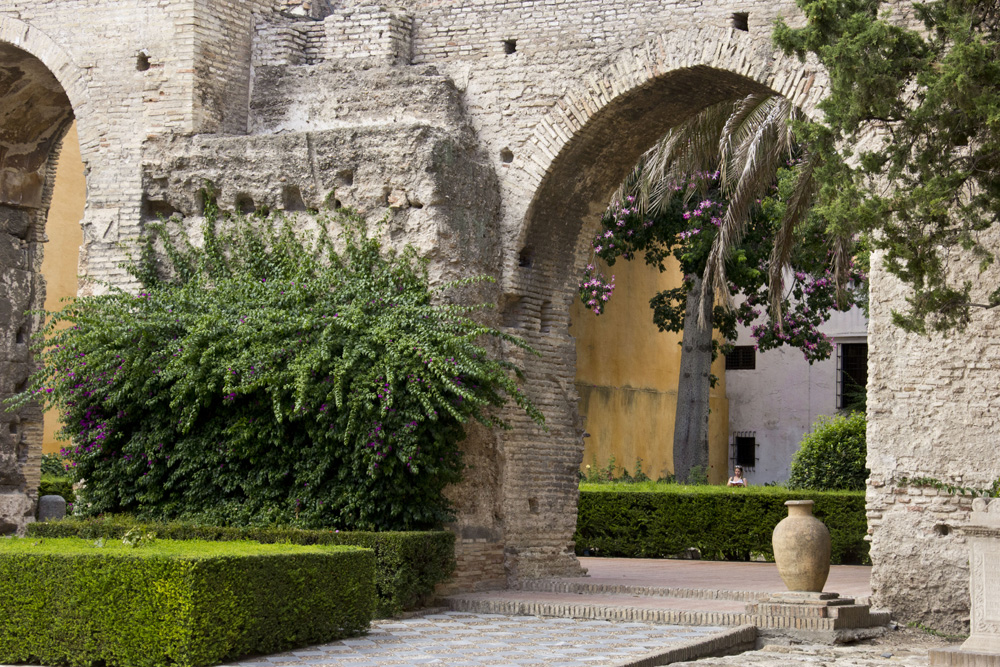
(852, 374)
(742, 358)
(745, 450)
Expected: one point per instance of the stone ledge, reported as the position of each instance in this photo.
(956, 657)
(557, 586)
(595, 611)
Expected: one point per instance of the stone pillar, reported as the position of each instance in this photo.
(21, 292)
(983, 645)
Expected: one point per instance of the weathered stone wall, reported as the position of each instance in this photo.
(561, 101)
(491, 134)
(933, 412)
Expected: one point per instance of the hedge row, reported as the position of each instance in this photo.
(408, 565)
(80, 602)
(722, 523)
(57, 485)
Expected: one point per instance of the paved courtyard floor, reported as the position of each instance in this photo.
(460, 639)
(848, 580)
(477, 639)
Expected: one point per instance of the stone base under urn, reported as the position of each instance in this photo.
(817, 617)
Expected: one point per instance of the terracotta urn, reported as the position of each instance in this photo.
(802, 548)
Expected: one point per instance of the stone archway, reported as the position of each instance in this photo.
(40, 88)
(581, 151)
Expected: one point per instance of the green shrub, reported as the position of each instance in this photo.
(832, 455)
(57, 485)
(407, 565)
(267, 377)
(53, 465)
(72, 601)
(595, 474)
(661, 520)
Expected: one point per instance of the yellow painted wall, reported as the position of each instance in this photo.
(626, 374)
(62, 251)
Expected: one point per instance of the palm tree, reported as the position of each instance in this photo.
(747, 140)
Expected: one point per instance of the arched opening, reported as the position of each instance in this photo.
(60, 261)
(35, 123)
(626, 368)
(586, 147)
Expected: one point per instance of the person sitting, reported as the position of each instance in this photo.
(737, 479)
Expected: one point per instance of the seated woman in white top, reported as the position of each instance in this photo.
(737, 479)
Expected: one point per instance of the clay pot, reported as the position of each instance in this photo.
(802, 548)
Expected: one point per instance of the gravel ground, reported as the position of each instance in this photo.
(905, 646)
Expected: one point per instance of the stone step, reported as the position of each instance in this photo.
(834, 623)
(587, 588)
(582, 587)
(612, 607)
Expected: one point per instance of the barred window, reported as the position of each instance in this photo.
(852, 374)
(744, 450)
(742, 358)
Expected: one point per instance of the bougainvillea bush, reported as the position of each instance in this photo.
(273, 376)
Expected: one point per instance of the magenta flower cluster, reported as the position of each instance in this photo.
(595, 289)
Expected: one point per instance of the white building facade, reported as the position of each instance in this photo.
(776, 396)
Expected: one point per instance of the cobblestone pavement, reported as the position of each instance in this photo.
(819, 656)
(459, 639)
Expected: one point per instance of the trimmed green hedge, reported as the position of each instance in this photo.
(74, 601)
(408, 565)
(57, 485)
(661, 520)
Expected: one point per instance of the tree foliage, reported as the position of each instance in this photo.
(266, 376)
(687, 227)
(910, 144)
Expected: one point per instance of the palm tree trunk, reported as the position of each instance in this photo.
(691, 421)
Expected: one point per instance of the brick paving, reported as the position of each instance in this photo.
(655, 591)
(461, 639)
(848, 580)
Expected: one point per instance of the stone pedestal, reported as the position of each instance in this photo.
(802, 554)
(959, 657)
(983, 645)
(818, 617)
(51, 508)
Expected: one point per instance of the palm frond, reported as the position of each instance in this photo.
(688, 148)
(842, 247)
(758, 152)
(784, 240)
(747, 116)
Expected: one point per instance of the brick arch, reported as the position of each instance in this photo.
(36, 43)
(580, 150)
(43, 91)
(644, 68)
